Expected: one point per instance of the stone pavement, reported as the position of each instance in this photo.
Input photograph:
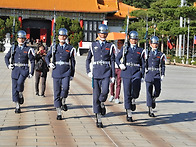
(37, 126)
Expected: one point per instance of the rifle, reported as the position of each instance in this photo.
(147, 43)
(54, 39)
(125, 45)
(13, 40)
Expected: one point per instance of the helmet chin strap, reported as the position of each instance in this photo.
(62, 41)
(21, 43)
(102, 39)
(153, 49)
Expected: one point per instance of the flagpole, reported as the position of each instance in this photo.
(167, 44)
(193, 51)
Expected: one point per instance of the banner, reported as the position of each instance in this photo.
(194, 39)
(169, 44)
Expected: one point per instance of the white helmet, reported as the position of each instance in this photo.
(154, 39)
(103, 29)
(21, 34)
(63, 31)
(133, 35)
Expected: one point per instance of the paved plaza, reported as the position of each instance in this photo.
(36, 126)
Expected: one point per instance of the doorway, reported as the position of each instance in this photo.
(35, 34)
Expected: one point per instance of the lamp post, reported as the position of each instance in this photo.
(187, 56)
(155, 28)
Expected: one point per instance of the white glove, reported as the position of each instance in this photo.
(90, 74)
(30, 76)
(112, 80)
(122, 66)
(162, 77)
(71, 78)
(11, 66)
(142, 80)
(52, 65)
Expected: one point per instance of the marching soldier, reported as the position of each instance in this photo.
(103, 69)
(63, 66)
(155, 71)
(20, 56)
(132, 72)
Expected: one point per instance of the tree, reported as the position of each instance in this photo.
(2, 30)
(165, 14)
(139, 3)
(75, 32)
(9, 25)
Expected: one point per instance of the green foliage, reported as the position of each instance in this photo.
(2, 30)
(165, 14)
(139, 3)
(75, 32)
(9, 25)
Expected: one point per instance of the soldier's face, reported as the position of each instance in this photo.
(21, 40)
(62, 37)
(103, 35)
(154, 45)
(133, 41)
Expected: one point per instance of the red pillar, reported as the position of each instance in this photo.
(52, 26)
(28, 33)
(81, 25)
(20, 19)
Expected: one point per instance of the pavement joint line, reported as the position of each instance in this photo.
(101, 128)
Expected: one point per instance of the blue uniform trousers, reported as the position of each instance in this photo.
(61, 89)
(17, 86)
(132, 88)
(149, 91)
(100, 93)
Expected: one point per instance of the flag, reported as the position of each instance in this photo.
(169, 44)
(194, 39)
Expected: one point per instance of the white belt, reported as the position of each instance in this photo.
(153, 68)
(101, 62)
(133, 64)
(20, 64)
(61, 63)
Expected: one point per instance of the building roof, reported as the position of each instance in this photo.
(123, 10)
(119, 9)
(90, 6)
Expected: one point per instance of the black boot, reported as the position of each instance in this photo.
(59, 117)
(17, 110)
(129, 119)
(98, 124)
(150, 113)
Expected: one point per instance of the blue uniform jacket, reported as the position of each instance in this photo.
(62, 55)
(22, 57)
(102, 56)
(157, 63)
(136, 58)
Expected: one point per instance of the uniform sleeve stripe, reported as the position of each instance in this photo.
(112, 46)
(32, 51)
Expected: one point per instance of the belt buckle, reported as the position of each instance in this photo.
(61, 63)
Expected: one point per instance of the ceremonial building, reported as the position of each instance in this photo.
(37, 16)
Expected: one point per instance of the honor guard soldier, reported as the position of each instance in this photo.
(103, 69)
(155, 71)
(20, 55)
(133, 68)
(63, 65)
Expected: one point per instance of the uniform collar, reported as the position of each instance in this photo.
(133, 46)
(63, 45)
(21, 47)
(100, 42)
